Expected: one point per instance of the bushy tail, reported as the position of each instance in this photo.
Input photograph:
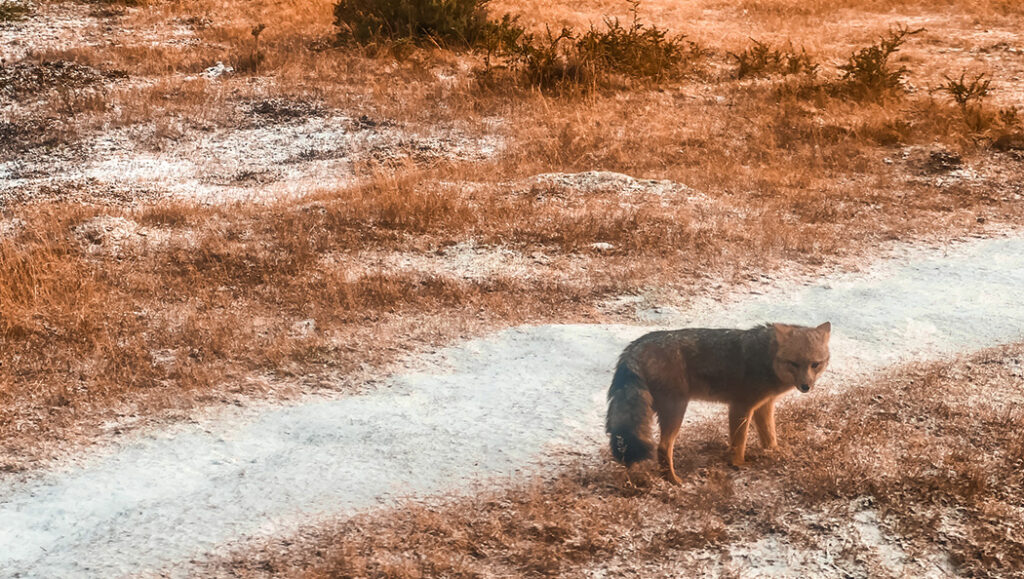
(629, 417)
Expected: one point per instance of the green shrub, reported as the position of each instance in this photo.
(13, 11)
(966, 93)
(600, 56)
(763, 60)
(969, 95)
(639, 51)
(868, 73)
(567, 59)
(444, 22)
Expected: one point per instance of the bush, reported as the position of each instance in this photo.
(445, 22)
(967, 93)
(763, 60)
(868, 73)
(969, 96)
(567, 59)
(639, 51)
(550, 61)
(598, 57)
(13, 11)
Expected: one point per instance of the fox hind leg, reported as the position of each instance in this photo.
(670, 420)
(764, 420)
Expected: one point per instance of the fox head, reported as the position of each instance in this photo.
(801, 354)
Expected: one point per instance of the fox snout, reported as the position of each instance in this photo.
(801, 354)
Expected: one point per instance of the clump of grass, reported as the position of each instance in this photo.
(868, 74)
(13, 11)
(761, 60)
(1009, 116)
(969, 96)
(967, 93)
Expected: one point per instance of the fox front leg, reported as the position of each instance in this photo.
(739, 424)
(764, 419)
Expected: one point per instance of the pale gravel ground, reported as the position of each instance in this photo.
(486, 411)
(261, 163)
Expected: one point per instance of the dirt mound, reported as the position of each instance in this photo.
(602, 182)
(274, 110)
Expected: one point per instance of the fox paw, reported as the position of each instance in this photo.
(671, 477)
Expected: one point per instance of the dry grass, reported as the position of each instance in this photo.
(200, 305)
(935, 454)
(126, 311)
(118, 310)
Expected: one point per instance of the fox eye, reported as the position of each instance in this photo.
(815, 365)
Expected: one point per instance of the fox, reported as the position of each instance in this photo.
(661, 372)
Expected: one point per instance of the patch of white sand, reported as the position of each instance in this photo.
(259, 163)
(466, 260)
(484, 410)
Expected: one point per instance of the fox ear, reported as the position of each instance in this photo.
(826, 327)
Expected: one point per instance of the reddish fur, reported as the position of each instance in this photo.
(746, 369)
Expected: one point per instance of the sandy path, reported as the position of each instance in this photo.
(480, 411)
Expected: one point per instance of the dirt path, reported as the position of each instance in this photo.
(478, 412)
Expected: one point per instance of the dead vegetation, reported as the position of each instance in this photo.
(181, 303)
(121, 310)
(117, 304)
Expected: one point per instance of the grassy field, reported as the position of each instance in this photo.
(122, 301)
(164, 251)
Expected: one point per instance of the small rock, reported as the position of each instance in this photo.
(658, 314)
(105, 230)
(303, 328)
(943, 161)
(218, 70)
(602, 246)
